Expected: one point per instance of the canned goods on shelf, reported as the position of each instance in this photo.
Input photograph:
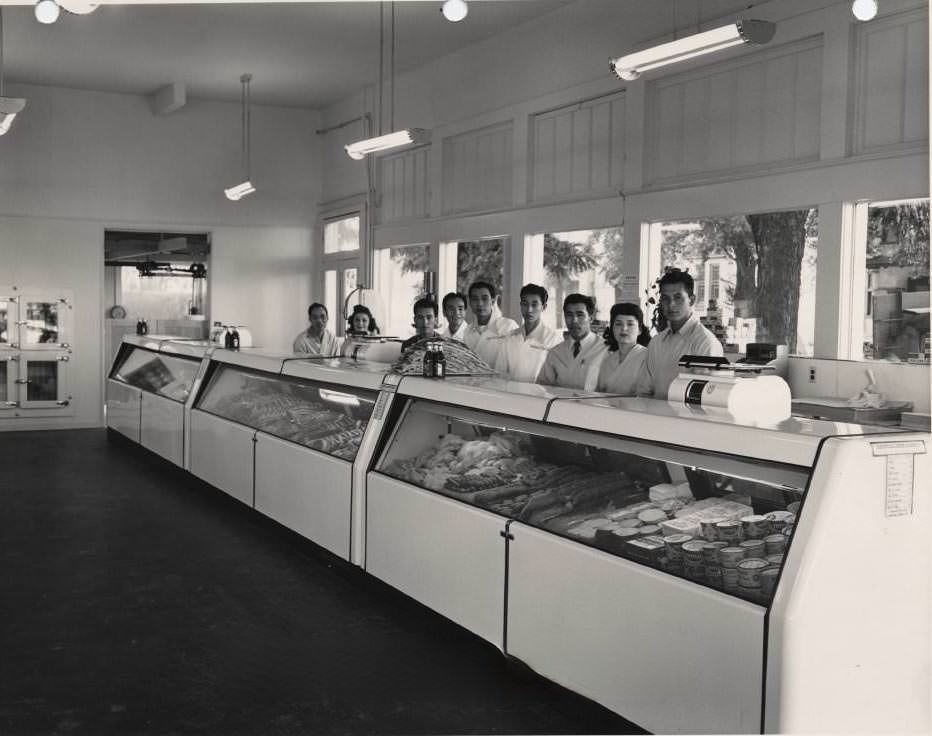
(776, 560)
(710, 552)
(768, 580)
(754, 547)
(774, 543)
(729, 557)
(709, 528)
(692, 551)
(778, 519)
(749, 571)
(728, 531)
(755, 526)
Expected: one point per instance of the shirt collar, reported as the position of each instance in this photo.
(688, 326)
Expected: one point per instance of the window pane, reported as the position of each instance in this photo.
(399, 281)
(349, 281)
(4, 377)
(43, 380)
(330, 300)
(896, 322)
(341, 235)
(41, 323)
(482, 260)
(5, 336)
(158, 297)
(755, 275)
(584, 262)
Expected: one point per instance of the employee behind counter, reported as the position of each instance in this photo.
(316, 340)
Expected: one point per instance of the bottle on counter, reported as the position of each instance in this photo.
(142, 327)
(428, 370)
(439, 369)
(228, 339)
(234, 339)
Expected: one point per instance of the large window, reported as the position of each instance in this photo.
(340, 265)
(896, 304)
(399, 281)
(582, 261)
(156, 297)
(755, 275)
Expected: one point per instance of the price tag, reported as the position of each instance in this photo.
(899, 474)
(391, 379)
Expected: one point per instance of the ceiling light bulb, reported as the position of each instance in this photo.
(454, 10)
(864, 9)
(47, 11)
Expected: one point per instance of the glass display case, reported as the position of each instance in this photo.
(324, 417)
(169, 376)
(721, 521)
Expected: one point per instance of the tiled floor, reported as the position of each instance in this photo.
(135, 599)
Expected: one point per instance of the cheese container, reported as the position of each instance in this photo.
(710, 552)
(755, 526)
(774, 544)
(651, 516)
(730, 579)
(709, 528)
(754, 547)
(749, 571)
(649, 530)
(648, 550)
(775, 560)
(730, 556)
(779, 519)
(728, 531)
(674, 546)
(692, 551)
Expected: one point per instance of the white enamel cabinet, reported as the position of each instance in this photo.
(35, 351)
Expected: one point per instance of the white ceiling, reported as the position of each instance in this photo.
(300, 54)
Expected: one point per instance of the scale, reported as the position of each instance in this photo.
(743, 390)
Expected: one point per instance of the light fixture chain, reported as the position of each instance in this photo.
(392, 119)
(1, 52)
(381, 57)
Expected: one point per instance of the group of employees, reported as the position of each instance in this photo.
(625, 360)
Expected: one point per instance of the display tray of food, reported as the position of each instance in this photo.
(459, 359)
(706, 529)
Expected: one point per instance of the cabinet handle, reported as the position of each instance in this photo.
(10, 403)
(63, 358)
(64, 345)
(14, 357)
(22, 381)
(15, 346)
(22, 322)
(64, 402)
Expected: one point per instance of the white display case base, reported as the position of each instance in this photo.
(669, 655)
(162, 427)
(448, 556)
(123, 409)
(222, 453)
(306, 491)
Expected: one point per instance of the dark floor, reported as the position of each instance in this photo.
(135, 599)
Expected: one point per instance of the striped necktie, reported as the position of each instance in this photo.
(576, 348)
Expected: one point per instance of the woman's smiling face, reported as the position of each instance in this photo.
(625, 328)
(360, 322)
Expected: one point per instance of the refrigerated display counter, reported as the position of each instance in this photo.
(148, 388)
(690, 572)
(284, 435)
(421, 537)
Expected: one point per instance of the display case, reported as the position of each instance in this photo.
(148, 388)
(309, 421)
(664, 561)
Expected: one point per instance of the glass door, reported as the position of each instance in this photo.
(44, 322)
(43, 380)
(8, 318)
(7, 381)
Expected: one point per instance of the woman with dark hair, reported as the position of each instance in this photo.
(625, 337)
(361, 322)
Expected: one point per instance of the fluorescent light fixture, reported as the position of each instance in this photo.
(47, 11)
(360, 149)
(9, 107)
(631, 66)
(234, 194)
(864, 9)
(454, 10)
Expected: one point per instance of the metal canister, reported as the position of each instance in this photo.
(674, 547)
(713, 576)
(692, 551)
(778, 519)
(648, 530)
(749, 571)
(695, 572)
(755, 526)
(710, 552)
(754, 548)
(768, 581)
(710, 530)
(774, 544)
(728, 531)
(729, 557)
(730, 579)
(775, 560)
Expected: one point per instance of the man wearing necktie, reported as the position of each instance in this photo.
(575, 362)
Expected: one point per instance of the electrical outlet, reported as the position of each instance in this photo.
(812, 374)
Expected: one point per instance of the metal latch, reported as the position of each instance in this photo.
(22, 381)
(63, 358)
(64, 402)
(64, 345)
(9, 403)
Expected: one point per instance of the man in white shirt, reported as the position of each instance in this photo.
(574, 362)
(316, 340)
(481, 337)
(454, 309)
(524, 350)
(684, 335)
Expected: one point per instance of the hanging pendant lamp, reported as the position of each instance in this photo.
(239, 191)
(9, 106)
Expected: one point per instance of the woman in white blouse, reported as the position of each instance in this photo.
(626, 337)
